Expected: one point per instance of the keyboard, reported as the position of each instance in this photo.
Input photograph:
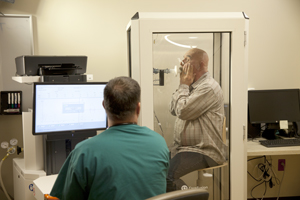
(280, 142)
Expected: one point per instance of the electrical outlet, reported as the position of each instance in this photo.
(281, 167)
(89, 77)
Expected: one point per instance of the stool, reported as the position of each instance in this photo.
(209, 168)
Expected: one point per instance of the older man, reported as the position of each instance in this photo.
(126, 161)
(199, 106)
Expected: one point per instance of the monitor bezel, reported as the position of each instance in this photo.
(72, 133)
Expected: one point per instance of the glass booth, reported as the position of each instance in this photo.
(156, 45)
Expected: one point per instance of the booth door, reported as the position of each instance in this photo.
(168, 50)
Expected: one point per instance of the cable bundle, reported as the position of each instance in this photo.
(267, 175)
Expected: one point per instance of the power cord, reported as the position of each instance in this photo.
(9, 150)
(267, 175)
(258, 128)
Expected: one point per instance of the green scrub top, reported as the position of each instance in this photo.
(123, 162)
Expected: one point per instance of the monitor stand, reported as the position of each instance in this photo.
(58, 147)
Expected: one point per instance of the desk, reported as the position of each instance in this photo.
(254, 148)
(43, 185)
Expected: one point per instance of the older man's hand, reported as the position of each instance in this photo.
(187, 74)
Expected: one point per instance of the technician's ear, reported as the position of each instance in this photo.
(138, 108)
(103, 104)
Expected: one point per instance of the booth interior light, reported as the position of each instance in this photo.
(180, 45)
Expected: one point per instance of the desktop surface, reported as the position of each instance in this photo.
(254, 148)
(43, 185)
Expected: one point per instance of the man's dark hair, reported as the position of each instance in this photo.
(121, 96)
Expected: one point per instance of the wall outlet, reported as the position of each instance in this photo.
(89, 77)
(280, 167)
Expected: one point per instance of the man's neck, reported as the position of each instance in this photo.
(119, 122)
(200, 74)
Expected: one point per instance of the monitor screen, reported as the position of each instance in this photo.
(68, 107)
(271, 106)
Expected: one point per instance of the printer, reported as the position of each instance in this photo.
(52, 68)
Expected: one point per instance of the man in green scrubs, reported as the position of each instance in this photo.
(126, 161)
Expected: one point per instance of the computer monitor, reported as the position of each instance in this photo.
(68, 108)
(272, 106)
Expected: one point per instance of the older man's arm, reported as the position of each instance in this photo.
(178, 99)
(189, 107)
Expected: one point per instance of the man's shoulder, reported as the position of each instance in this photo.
(89, 142)
(146, 129)
(147, 134)
(209, 84)
(118, 132)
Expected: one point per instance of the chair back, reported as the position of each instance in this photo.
(188, 194)
(224, 131)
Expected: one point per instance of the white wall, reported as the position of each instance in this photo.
(97, 28)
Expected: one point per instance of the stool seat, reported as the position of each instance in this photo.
(215, 167)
